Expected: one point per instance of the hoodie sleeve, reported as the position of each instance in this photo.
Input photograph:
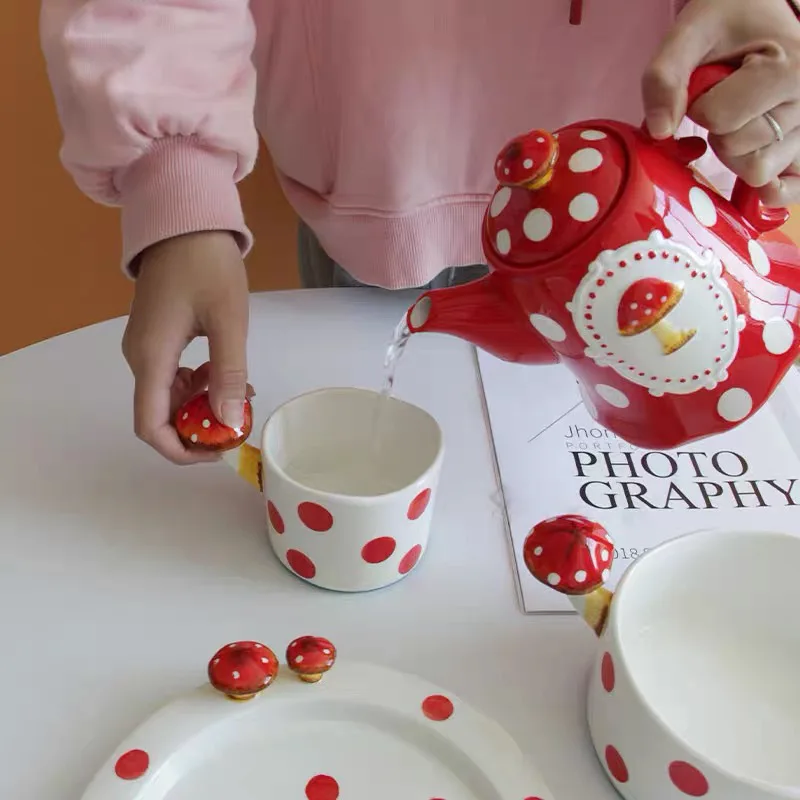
(155, 99)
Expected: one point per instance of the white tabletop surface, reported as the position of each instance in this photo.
(121, 574)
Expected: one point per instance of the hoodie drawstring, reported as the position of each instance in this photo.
(575, 12)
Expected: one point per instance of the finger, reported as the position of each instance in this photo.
(761, 83)
(666, 79)
(226, 327)
(189, 382)
(200, 377)
(181, 384)
(760, 168)
(757, 133)
(183, 389)
(153, 422)
(154, 360)
(783, 191)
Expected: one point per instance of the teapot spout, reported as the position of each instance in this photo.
(573, 556)
(246, 463)
(485, 314)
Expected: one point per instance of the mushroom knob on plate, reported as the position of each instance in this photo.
(573, 555)
(310, 657)
(242, 669)
(199, 429)
(645, 305)
(528, 160)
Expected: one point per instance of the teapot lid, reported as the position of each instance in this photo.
(555, 190)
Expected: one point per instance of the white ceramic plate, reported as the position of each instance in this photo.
(362, 732)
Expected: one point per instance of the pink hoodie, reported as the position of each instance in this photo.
(383, 118)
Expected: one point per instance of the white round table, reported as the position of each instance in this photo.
(120, 574)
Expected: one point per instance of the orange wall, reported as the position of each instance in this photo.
(59, 251)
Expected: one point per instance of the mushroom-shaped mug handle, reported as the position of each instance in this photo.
(573, 555)
(744, 197)
(198, 429)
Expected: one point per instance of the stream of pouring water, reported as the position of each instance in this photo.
(396, 347)
(393, 353)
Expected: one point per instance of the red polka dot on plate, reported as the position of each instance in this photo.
(322, 787)
(409, 560)
(437, 707)
(616, 765)
(132, 765)
(275, 518)
(301, 564)
(378, 550)
(607, 672)
(417, 506)
(314, 516)
(688, 779)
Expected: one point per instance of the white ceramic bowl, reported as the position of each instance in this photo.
(696, 689)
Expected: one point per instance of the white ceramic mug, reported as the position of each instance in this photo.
(350, 479)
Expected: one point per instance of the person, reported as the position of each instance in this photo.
(383, 120)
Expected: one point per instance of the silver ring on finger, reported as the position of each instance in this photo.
(775, 125)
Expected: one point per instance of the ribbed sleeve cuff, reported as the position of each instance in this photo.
(180, 186)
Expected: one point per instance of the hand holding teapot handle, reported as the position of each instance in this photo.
(745, 198)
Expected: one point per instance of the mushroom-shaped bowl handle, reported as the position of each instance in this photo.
(744, 198)
(573, 555)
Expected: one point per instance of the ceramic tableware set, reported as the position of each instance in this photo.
(677, 311)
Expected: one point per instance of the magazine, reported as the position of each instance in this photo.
(552, 458)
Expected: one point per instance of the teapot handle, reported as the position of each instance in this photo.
(744, 197)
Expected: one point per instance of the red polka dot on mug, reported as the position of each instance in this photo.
(315, 517)
(275, 518)
(378, 550)
(418, 505)
(301, 564)
(410, 559)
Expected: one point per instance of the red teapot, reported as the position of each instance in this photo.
(675, 308)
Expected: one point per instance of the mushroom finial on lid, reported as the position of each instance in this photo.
(573, 555)
(310, 657)
(241, 670)
(528, 160)
(645, 305)
(199, 429)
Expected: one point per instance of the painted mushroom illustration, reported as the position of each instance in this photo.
(241, 670)
(310, 657)
(645, 305)
(573, 555)
(528, 160)
(199, 429)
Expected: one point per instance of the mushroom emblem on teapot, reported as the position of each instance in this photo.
(676, 308)
(640, 307)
